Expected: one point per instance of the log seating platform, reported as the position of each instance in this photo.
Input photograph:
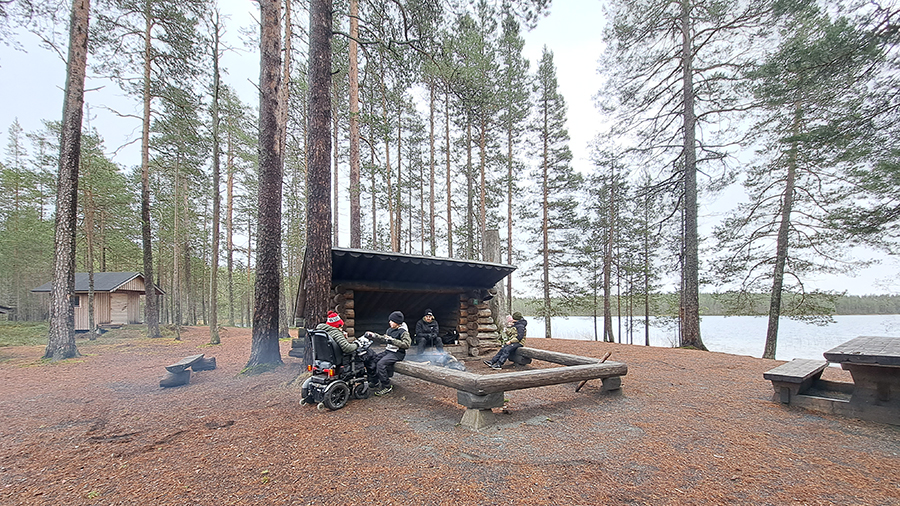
(479, 393)
(179, 373)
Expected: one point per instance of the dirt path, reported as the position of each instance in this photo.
(687, 428)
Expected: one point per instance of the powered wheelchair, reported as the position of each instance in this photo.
(335, 375)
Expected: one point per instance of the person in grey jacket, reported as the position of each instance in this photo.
(381, 365)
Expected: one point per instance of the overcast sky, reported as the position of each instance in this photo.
(30, 84)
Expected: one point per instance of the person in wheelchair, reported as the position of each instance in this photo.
(381, 365)
(334, 327)
(338, 368)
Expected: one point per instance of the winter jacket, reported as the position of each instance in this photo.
(338, 336)
(397, 339)
(519, 325)
(426, 330)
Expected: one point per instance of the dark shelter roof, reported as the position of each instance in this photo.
(103, 281)
(412, 272)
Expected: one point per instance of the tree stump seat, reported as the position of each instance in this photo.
(178, 373)
(184, 363)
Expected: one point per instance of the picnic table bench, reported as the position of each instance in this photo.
(795, 377)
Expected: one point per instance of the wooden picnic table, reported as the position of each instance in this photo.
(874, 364)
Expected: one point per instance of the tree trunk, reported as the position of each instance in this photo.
(607, 266)
(482, 197)
(283, 331)
(176, 274)
(449, 186)
(431, 161)
(470, 193)
(318, 240)
(229, 228)
(545, 217)
(781, 248)
(691, 300)
(216, 200)
(89, 246)
(509, 213)
(151, 302)
(355, 209)
(61, 338)
(264, 345)
(336, 220)
(396, 237)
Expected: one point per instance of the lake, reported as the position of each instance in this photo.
(739, 335)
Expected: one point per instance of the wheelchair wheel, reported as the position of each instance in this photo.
(361, 390)
(305, 397)
(336, 395)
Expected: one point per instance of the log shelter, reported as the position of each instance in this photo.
(367, 286)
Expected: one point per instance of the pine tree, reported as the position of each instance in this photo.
(814, 79)
(556, 184)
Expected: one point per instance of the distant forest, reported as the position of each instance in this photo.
(712, 305)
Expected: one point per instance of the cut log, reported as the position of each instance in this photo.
(204, 364)
(175, 379)
(485, 313)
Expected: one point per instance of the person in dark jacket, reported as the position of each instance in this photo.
(512, 344)
(381, 365)
(427, 333)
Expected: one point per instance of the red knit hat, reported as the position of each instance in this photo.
(335, 320)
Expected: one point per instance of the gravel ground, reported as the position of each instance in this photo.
(687, 427)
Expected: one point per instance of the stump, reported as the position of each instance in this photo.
(176, 379)
(204, 364)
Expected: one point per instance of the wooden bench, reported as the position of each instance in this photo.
(794, 377)
(178, 373)
(480, 393)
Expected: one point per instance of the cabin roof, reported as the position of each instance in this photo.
(103, 282)
(356, 266)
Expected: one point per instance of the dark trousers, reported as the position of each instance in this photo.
(380, 366)
(505, 352)
(426, 341)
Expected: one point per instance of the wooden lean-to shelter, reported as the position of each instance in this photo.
(366, 286)
(117, 298)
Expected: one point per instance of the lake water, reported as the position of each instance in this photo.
(739, 335)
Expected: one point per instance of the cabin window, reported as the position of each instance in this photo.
(76, 301)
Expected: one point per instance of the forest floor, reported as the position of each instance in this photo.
(687, 427)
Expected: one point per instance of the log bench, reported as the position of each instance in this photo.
(794, 378)
(480, 393)
(179, 372)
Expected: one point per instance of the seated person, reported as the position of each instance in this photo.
(427, 333)
(512, 344)
(334, 327)
(381, 365)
